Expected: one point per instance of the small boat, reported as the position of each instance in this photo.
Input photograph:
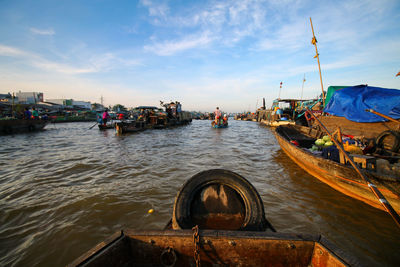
(296, 142)
(107, 126)
(130, 126)
(13, 126)
(218, 220)
(221, 124)
(285, 111)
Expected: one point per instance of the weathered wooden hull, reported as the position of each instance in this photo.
(14, 126)
(342, 177)
(366, 129)
(216, 248)
(130, 127)
(219, 126)
(107, 126)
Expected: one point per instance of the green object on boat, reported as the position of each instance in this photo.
(319, 142)
(326, 138)
(329, 143)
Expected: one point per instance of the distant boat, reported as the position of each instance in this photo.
(107, 126)
(14, 126)
(122, 127)
(220, 125)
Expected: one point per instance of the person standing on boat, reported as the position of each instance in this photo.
(27, 114)
(35, 114)
(279, 112)
(217, 115)
(106, 116)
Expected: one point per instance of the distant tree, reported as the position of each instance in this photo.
(119, 107)
(97, 106)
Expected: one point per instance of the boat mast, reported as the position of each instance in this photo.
(280, 88)
(314, 42)
(302, 87)
(12, 106)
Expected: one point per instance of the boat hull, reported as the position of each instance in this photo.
(14, 126)
(342, 177)
(216, 248)
(105, 127)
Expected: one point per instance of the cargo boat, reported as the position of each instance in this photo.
(13, 126)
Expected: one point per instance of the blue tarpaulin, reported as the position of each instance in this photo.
(351, 103)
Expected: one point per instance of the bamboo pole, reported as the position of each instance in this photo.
(314, 42)
(386, 205)
(382, 115)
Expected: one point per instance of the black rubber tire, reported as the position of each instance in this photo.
(254, 219)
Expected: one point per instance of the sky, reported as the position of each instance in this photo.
(207, 53)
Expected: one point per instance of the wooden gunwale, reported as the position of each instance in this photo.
(338, 176)
(226, 248)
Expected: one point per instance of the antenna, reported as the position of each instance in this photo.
(302, 87)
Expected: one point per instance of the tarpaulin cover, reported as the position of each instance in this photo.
(351, 103)
(331, 90)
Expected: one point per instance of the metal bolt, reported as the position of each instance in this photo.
(232, 243)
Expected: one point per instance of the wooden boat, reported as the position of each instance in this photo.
(215, 125)
(107, 126)
(129, 126)
(292, 112)
(216, 248)
(212, 200)
(12, 126)
(296, 140)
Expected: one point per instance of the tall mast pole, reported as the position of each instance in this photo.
(314, 42)
(280, 88)
(302, 87)
(12, 105)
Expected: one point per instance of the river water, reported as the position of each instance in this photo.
(65, 189)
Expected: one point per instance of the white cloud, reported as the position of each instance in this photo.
(42, 31)
(167, 48)
(158, 9)
(11, 51)
(96, 63)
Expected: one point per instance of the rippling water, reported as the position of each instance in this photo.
(65, 189)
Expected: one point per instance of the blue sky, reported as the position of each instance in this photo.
(204, 54)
